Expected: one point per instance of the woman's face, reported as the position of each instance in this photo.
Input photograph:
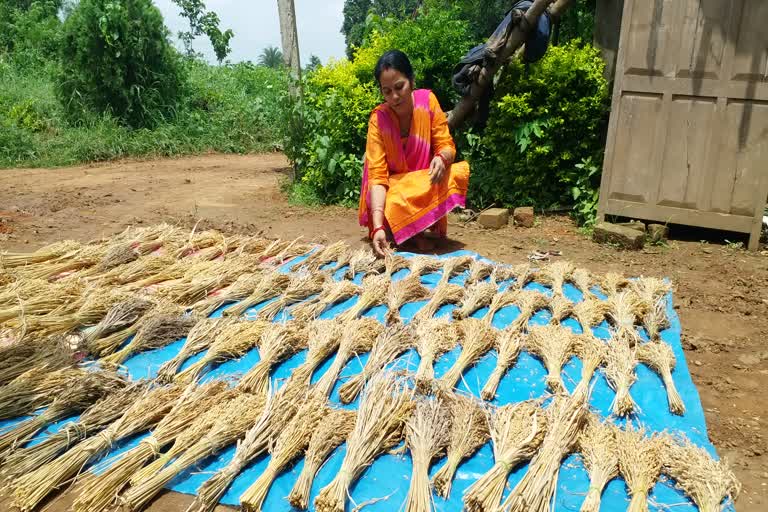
(397, 89)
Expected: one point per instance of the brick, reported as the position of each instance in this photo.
(657, 233)
(634, 224)
(494, 218)
(524, 216)
(627, 238)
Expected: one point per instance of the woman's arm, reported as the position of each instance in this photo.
(378, 181)
(442, 142)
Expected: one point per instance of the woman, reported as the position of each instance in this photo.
(410, 180)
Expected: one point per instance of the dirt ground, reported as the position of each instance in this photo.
(721, 291)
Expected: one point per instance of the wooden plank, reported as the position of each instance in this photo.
(671, 215)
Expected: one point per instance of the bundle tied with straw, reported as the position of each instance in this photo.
(561, 309)
(374, 293)
(32, 488)
(652, 292)
(592, 352)
(394, 262)
(555, 275)
(357, 337)
(555, 346)
(434, 337)
(624, 309)
(272, 285)
(361, 262)
(598, 449)
(477, 339)
(329, 435)
(640, 463)
(277, 344)
(501, 300)
(420, 265)
(333, 292)
(120, 316)
(509, 343)
(582, 280)
(708, 482)
(660, 358)
(385, 406)
(454, 266)
(301, 287)
(229, 424)
(612, 283)
(523, 274)
(36, 388)
(444, 293)
(50, 252)
(517, 432)
(237, 291)
(478, 271)
(566, 416)
(656, 319)
(529, 302)
(200, 338)
(401, 292)
(55, 296)
(620, 363)
(478, 295)
(15, 359)
(324, 338)
(98, 491)
(469, 431)
(427, 433)
(324, 256)
(590, 313)
(391, 343)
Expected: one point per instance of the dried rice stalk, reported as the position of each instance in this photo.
(590, 313)
(434, 337)
(597, 446)
(198, 242)
(658, 356)
(360, 262)
(656, 319)
(56, 250)
(394, 262)
(272, 285)
(118, 254)
(592, 352)
(287, 250)
(561, 309)
(85, 258)
(253, 245)
(566, 417)
(707, 481)
(357, 337)
(275, 345)
(469, 431)
(162, 273)
(478, 271)
(421, 265)
(445, 293)
(323, 340)
(385, 406)
(194, 289)
(624, 310)
(501, 300)
(555, 275)
(620, 362)
(401, 292)
(200, 338)
(582, 280)
(640, 463)
(142, 268)
(477, 339)
(301, 287)
(52, 351)
(509, 342)
(523, 274)
(650, 289)
(333, 292)
(554, 346)
(36, 388)
(55, 296)
(427, 434)
(374, 293)
(329, 435)
(478, 295)
(23, 290)
(454, 266)
(237, 291)
(612, 283)
(324, 256)
(517, 431)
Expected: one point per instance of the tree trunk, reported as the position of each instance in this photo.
(290, 39)
(608, 14)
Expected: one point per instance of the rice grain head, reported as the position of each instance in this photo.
(640, 463)
(200, 338)
(445, 293)
(590, 313)
(598, 449)
(479, 270)
(421, 265)
(620, 363)
(592, 353)
(659, 356)
(273, 284)
(276, 344)
(583, 281)
(433, 338)
(333, 292)
(555, 346)
(454, 266)
(478, 295)
(302, 286)
(374, 293)
(561, 309)
(401, 292)
(509, 343)
(477, 339)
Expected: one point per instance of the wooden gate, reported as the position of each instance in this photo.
(688, 135)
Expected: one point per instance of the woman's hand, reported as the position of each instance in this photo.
(380, 244)
(436, 170)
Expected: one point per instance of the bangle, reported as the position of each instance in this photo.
(380, 209)
(445, 160)
(376, 230)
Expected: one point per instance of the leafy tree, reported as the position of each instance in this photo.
(202, 22)
(271, 57)
(356, 12)
(29, 26)
(314, 63)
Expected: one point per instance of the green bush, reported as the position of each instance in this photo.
(116, 58)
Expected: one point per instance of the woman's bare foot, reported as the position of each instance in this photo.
(424, 244)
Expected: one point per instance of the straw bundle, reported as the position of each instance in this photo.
(597, 446)
(197, 242)
(23, 290)
(478, 271)
(232, 342)
(32, 488)
(357, 337)
(555, 275)
(119, 324)
(36, 388)
(323, 340)
(445, 293)
(650, 289)
(98, 492)
(421, 265)
(276, 345)
(153, 270)
(231, 423)
(590, 313)
(707, 481)
(50, 252)
(324, 256)
(658, 356)
(394, 262)
(478, 295)
(87, 257)
(385, 406)
(117, 254)
(522, 274)
(592, 352)
(193, 289)
(612, 283)
(499, 301)
(469, 431)
(561, 309)
(253, 245)
(360, 262)
(528, 302)
(401, 292)
(477, 339)
(333, 292)
(56, 295)
(301, 287)
(19, 357)
(624, 310)
(509, 342)
(566, 417)
(427, 433)
(454, 266)
(655, 318)
(393, 341)
(582, 280)
(374, 293)
(200, 338)
(516, 431)
(272, 285)
(284, 251)
(555, 346)
(434, 337)
(640, 463)
(329, 435)
(620, 362)
(237, 291)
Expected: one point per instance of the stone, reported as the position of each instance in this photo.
(749, 359)
(524, 216)
(657, 233)
(633, 224)
(494, 218)
(624, 237)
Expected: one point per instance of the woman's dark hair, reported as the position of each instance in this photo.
(393, 59)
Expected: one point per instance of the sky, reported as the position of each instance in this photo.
(256, 26)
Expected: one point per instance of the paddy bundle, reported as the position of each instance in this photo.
(324, 256)
(86, 257)
(193, 289)
(23, 290)
(361, 262)
(566, 417)
(555, 275)
(198, 242)
(620, 363)
(116, 255)
(32, 488)
(231, 423)
(453, 267)
(624, 308)
(478, 295)
(650, 289)
(522, 274)
(142, 268)
(582, 280)
(232, 342)
(35, 388)
(444, 293)
(613, 283)
(152, 271)
(561, 309)
(590, 313)
(479, 270)
(120, 323)
(252, 245)
(394, 262)
(708, 482)
(19, 357)
(399, 293)
(508, 344)
(199, 338)
(501, 300)
(47, 300)
(324, 338)
(391, 343)
(555, 346)
(420, 265)
(598, 448)
(592, 353)
(240, 289)
(329, 435)
(468, 432)
(434, 337)
(374, 293)
(516, 431)
(427, 433)
(276, 344)
(54, 251)
(477, 339)
(660, 358)
(385, 406)
(640, 463)
(273, 284)
(333, 292)
(356, 337)
(98, 491)
(301, 287)
(284, 251)
(656, 319)
(528, 302)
